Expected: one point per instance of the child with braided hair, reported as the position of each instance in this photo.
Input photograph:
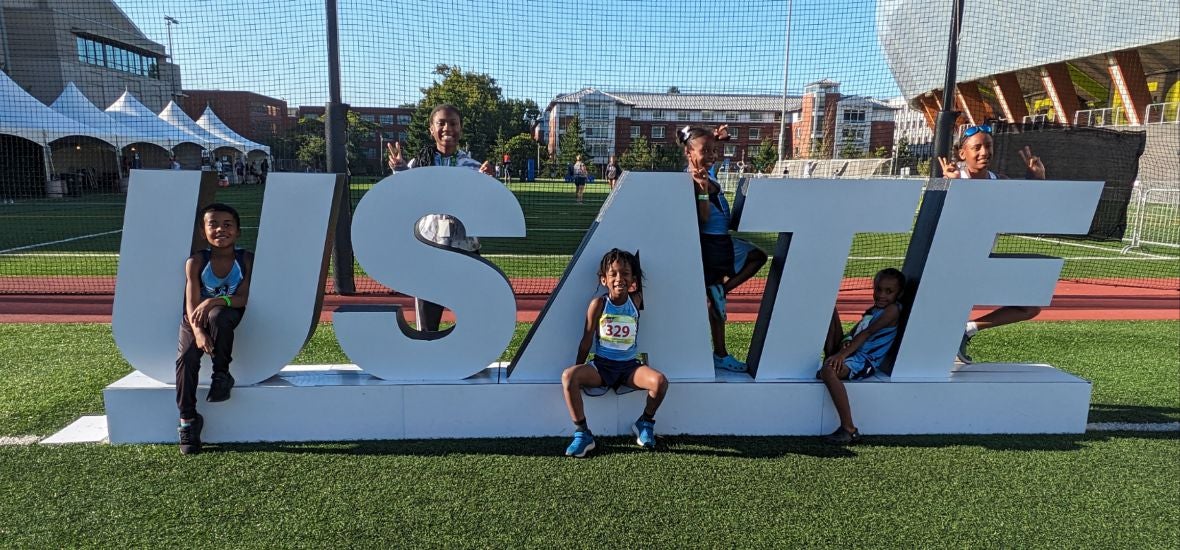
(728, 261)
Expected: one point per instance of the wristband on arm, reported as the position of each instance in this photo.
(228, 303)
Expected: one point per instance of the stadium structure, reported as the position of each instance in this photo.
(1067, 65)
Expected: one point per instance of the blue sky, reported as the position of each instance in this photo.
(534, 48)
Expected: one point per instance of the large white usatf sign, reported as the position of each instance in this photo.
(650, 212)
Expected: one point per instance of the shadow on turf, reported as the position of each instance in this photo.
(712, 446)
(1107, 412)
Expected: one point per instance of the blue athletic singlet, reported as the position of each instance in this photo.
(875, 348)
(617, 331)
(213, 286)
(718, 222)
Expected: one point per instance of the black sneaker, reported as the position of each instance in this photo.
(220, 386)
(843, 437)
(190, 436)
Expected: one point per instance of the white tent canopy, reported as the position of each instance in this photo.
(128, 111)
(23, 115)
(175, 116)
(215, 126)
(72, 103)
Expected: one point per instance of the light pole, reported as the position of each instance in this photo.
(782, 124)
(168, 22)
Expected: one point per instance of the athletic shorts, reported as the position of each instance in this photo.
(859, 366)
(723, 256)
(579, 181)
(614, 373)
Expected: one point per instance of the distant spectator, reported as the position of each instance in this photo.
(175, 164)
(613, 171)
(580, 175)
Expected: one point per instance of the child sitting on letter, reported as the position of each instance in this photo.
(217, 285)
(611, 323)
(858, 354)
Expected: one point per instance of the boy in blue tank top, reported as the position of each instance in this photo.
(611, 328)
(859, 353)
(217, 286)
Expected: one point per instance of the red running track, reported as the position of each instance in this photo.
(1071, 301)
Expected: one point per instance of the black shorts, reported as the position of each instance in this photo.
(717, 255)
(614, 373)
(580, 181)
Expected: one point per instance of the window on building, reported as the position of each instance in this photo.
(369, 118)
(386, 120)
(111, 56)
(755, 133)
(731, 117)
(657, 132)
(403, 136)
(388, 136)
(404, 120)
(735, 132)
(681, 115)
(657, 115)
(756, 117)
(370, 153)
(730, 150)
(596, 111)
(706, 115)
(635, 132)
(856, 115)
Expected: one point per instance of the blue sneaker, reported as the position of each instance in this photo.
(717, 297)
(583, 443)
(729, 363)
(645, 433)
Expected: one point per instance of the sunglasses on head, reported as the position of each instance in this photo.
(972, 130)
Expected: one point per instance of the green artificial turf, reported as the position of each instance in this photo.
(1097, 490)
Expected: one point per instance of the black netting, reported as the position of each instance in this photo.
(92, 89)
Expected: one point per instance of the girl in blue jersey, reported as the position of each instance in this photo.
(217, 287)
(611, 327)
(859, 353)
(728, 261)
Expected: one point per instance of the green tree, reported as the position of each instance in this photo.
(637, 157)
(881, 152)
(668, 158)
(310, 147)
(485, 112)
(571, 144)
(850, 149)
(519, 148)
(767, 156)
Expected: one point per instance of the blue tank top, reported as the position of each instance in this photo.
(213, 286)
(878, 344)
(617, 331)
(718, 222)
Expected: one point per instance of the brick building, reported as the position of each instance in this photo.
(253, 116)
(832, 125)
(611, 120)
(819, 123)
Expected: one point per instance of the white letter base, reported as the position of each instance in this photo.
(341, 402)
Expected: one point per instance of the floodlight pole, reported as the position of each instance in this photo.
(335, 140)
(944, 126)
(782, 124)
